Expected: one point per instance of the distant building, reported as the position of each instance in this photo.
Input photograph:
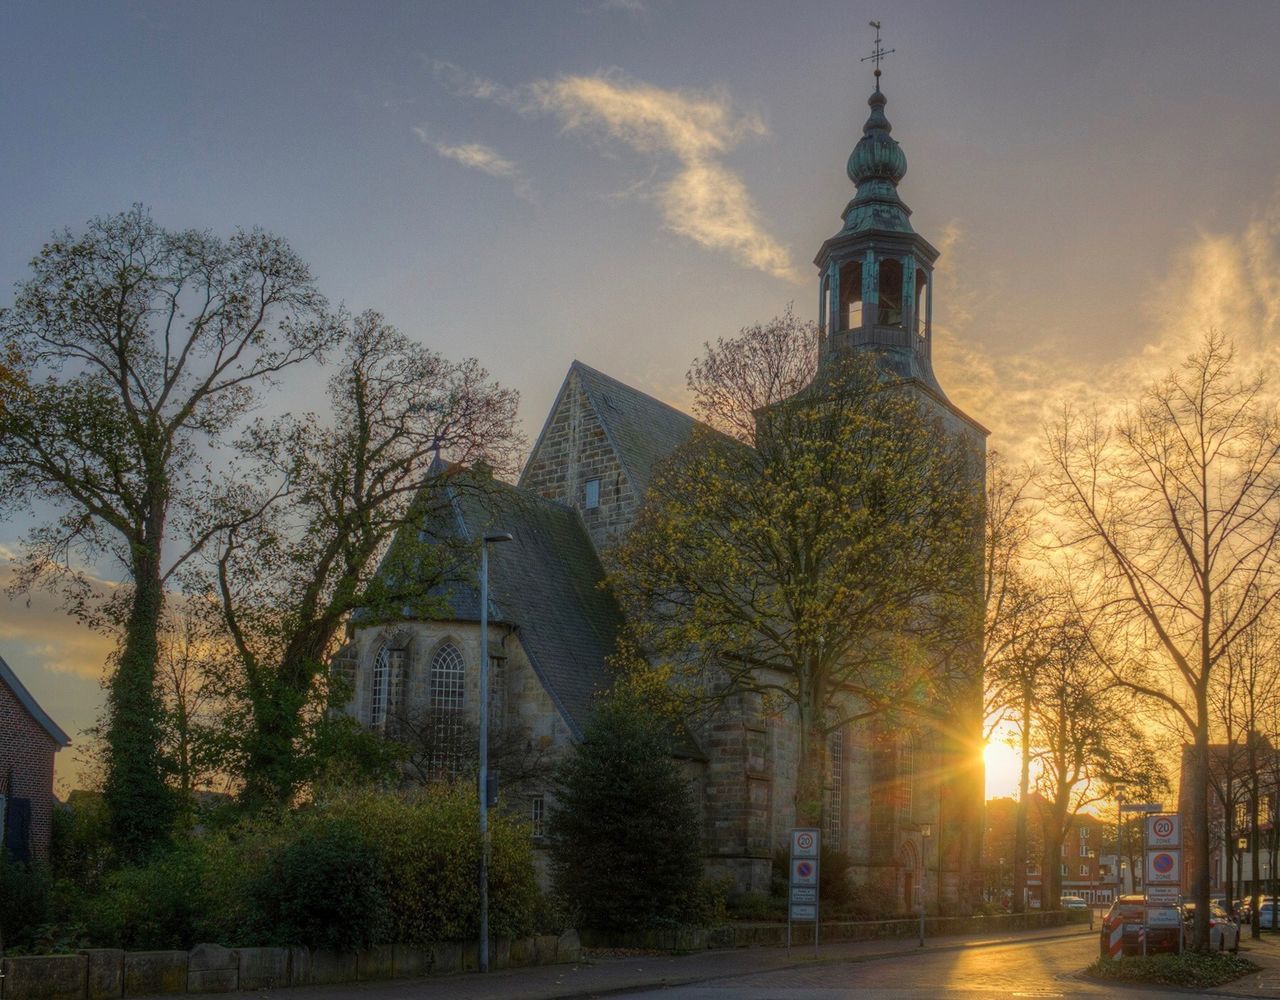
(28, 741)
(1085, 871)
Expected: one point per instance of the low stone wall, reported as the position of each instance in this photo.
(110, 974)
(764, 935)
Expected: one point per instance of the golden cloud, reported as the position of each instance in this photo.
(1224, 281)
(703, 200)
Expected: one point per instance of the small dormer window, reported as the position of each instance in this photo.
(591, 494)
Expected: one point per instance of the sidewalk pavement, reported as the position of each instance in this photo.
(603, 976)
(1266, 983)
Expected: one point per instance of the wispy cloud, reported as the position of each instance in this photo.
(477, 156)
(636, 8)
(1224, 281)
(701, 198)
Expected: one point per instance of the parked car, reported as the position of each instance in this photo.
(1129, 912)
(1224, 932)
(1267, 907)
(1072, 903)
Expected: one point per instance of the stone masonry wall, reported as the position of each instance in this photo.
(574, 449)
(26, 766)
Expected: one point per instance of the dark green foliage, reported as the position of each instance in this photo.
(154, 905)
(1191, 969)
(625, 839)
(80, 846)
(360, 867)
(323, 890)
(25, 900)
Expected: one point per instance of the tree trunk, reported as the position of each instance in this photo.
(811, 766)
(139, 802)
(1255, 927)
(1020, 829)
(1198, 820)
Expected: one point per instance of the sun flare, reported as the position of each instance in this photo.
(1002, 765)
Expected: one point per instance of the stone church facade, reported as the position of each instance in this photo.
(553, 626)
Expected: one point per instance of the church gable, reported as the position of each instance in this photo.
(599, 447)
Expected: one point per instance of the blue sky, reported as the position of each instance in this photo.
(619, 181)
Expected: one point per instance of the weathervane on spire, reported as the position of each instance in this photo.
(878, 53)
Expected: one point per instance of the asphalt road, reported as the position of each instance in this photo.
(1043, 968)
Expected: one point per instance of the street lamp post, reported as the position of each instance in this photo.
(926, 831)
(501, 536)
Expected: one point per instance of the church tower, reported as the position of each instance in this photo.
(875, 275)
(875, 280)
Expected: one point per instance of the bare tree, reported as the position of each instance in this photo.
(130, 351)
(1015, 606)
(1174, 512)
(315, 541)
(1083, 737)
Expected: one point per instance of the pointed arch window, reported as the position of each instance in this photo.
(388, 673)
(906, 779)
(448, 683)
(835, 789)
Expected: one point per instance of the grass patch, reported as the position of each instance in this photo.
(1188, 969)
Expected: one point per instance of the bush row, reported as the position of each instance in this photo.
(357, 869)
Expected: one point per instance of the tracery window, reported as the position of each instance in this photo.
(388, 669)
(447, 721)
(906, 780)
(835, 787)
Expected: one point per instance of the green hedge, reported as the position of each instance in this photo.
(359, 868)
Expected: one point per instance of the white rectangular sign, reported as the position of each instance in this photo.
(1164, 867)
(804, 894)
(804, 911)
(804, 843)
(1164, 830)
(1163, 916)
(1164, 894)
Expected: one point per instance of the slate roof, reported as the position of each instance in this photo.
(643, 430)
(546, 581)
(10, 680)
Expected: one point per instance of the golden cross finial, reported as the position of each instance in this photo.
(878, 53)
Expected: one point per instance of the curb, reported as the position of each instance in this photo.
(678, 981)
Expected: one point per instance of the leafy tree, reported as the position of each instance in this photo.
(309, 535)
(129, 351)
(1173, 515)
(624, 834)
(827, 557)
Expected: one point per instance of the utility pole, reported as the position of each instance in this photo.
(484, 744)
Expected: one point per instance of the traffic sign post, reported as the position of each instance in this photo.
(802, 889)
(1162, 872)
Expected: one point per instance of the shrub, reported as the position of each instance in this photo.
(24, 900)
(624, 835)
(324, 888)
(153, 905)
(429, 851)
(1190, 969)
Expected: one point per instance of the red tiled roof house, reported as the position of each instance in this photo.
(28, 741)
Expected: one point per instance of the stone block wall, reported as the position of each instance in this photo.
(573, 450)
(109, 974)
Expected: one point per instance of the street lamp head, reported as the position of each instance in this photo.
(498, 536)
